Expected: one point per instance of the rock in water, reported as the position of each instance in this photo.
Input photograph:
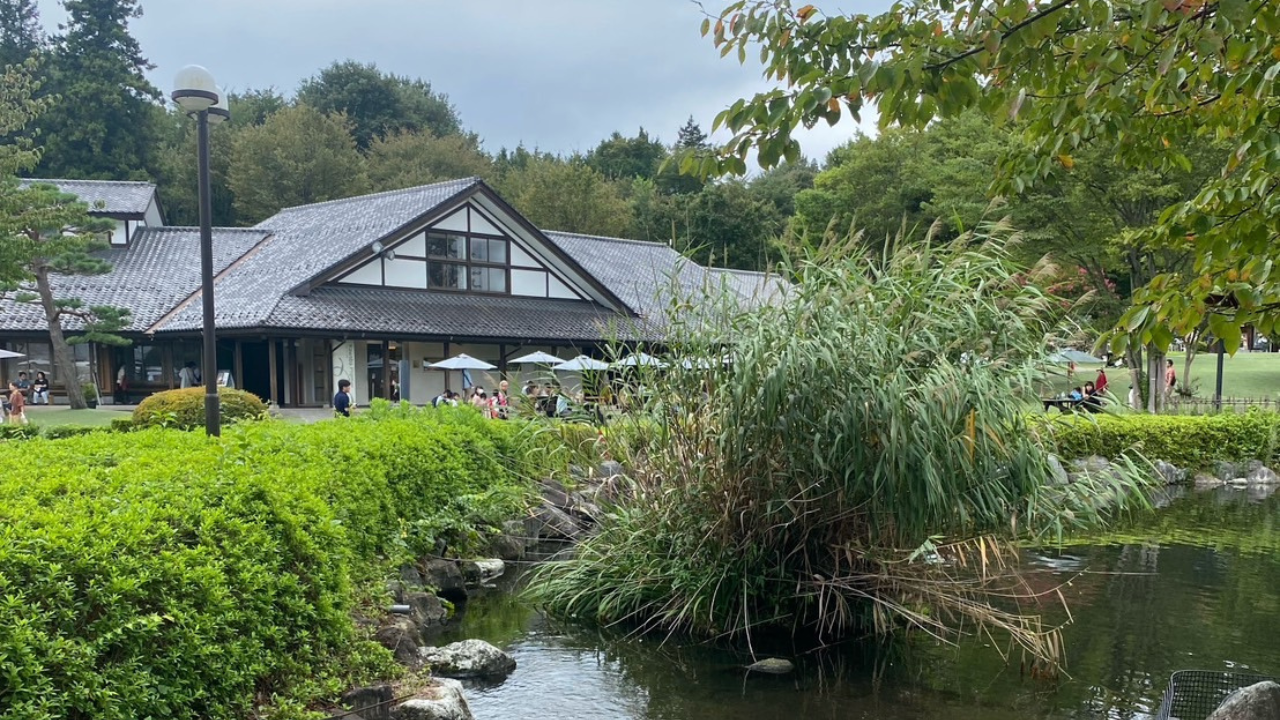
(468, 659)
(1256, 702)
(491, 568)
(1057, 472)
(444, 701)
(773, 666)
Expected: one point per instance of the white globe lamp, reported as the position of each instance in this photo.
(194, 89)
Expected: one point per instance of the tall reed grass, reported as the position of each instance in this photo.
(862, 463)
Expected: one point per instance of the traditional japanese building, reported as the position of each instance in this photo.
(370, 288)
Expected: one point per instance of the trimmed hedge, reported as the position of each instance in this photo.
(165, 574)
(184, 408)
(1186, 441)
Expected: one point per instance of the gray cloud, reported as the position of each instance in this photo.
(555, 74)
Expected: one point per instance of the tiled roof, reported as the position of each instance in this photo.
(642, 274)
(308, 239)
(648, 275)
(415, 313)
(116, 197)
(159, 269)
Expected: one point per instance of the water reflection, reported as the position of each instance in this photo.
(1195, 585)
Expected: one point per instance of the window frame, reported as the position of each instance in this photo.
(467, 263)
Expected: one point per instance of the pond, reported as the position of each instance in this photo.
(1194, 585)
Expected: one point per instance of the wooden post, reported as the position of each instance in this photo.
(446, 372)
(272, 366)
(386, 369)
(237, 364)
(166, 364)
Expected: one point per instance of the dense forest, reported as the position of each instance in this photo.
(352, 128)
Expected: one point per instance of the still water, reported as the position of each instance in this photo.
(1194, 585)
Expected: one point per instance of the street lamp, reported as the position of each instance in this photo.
(197, 94)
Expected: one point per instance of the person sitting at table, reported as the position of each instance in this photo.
(1089, 390)
(1076, 395)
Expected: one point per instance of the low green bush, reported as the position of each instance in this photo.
(185, 408)
(54, 432)
(1186, 441)
(18, 432)
(165, 574)
(122, 424)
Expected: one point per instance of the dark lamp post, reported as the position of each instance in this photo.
(197, 94)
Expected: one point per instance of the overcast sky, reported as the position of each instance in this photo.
(556, 74)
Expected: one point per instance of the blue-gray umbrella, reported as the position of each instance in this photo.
(1064, 357)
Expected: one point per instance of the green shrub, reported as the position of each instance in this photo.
(166, 574)
(122, 424)
(18, 432)
(185, 408)
(54, 432)
(1186, 441)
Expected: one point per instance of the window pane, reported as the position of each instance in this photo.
(447, 276)
(498, 252)
(497, 280)
(446, 246)
(488, 280)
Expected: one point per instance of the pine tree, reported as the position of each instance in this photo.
(20, 34)
(45, 232)
(691, 136)
(103, 127)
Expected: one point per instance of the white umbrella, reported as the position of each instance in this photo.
(640, 359)
(580, 363)
(462, 362)
(1073, 356)
(9, 354)
(538, 358)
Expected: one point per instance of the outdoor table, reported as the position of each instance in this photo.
(1062, 404)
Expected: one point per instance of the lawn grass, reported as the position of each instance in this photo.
(56, 416)
(1254, 376)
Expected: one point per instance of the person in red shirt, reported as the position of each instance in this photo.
(1100, 386)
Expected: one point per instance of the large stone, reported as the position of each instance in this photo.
(371, 703)
(609, 469)
(1205, 481)
(427, 609)
(1256, 702)
(772, 666)
(468, 659)
(446, 577)
(1057, 473)
(491, 569)
(1091, 465)
(1260, 474)
(400, 634)
(1170, 473)
(554, 494)
(442, 701)
(583, 506)
(556, 524)
(1226, 471)
(470, 572)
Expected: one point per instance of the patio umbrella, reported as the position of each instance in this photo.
(537, 358)
(8, 354)
(580, 363)
(462, 362)
(1073, 356)
(640, 359)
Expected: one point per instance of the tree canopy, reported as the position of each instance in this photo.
(1150, 81)
(377, 103)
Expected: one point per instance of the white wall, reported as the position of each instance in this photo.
(345, 366)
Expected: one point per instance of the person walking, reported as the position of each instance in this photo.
(40, 389)
(502, 401)
(1170, 380)
(17, 405)
(342, 404)
(1100, 386)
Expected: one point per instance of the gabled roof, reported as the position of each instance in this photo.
(117, 198)
(159, 270)
(308, 239)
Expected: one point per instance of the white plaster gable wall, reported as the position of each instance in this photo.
(344, 366)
